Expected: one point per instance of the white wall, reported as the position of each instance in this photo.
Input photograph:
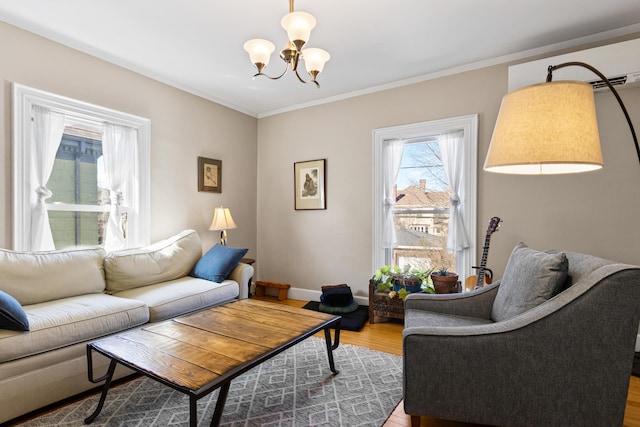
(308, 249)
(183, 127)
(596, 213)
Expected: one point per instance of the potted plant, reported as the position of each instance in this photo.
(401, 282)
(444, 282)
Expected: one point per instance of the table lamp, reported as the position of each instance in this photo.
(222, 221)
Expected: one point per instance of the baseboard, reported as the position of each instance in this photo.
(311, 295)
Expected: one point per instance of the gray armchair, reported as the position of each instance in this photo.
(566, 361)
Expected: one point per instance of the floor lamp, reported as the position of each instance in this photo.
(550, 128)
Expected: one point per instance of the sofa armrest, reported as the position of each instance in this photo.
(477, 303)
(242, 274)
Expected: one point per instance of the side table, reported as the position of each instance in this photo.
(381, 305)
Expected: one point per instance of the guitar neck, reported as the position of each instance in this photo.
(483, 262)
(493, 226)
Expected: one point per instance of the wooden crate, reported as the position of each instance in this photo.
(381, 305)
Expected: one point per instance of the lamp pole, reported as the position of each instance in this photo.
(609, 85)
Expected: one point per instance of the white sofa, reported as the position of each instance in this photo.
(72, 297)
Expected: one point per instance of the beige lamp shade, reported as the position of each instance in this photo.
(547, 128)
(222, 220)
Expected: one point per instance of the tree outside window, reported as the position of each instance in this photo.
(412, 198)
(421, 211)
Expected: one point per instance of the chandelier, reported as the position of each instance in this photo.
(298, 26)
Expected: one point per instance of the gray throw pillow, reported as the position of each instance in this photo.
(530, 278)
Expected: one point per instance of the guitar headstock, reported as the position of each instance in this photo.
(494, 224)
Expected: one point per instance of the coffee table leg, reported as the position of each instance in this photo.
(103, 396)
(222, 399)
(331, 347)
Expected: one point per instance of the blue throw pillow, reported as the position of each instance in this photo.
(218, 263)
(12, 315)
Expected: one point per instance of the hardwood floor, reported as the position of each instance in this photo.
(387, 337)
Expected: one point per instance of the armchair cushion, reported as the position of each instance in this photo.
(420, 318)
(530, 278)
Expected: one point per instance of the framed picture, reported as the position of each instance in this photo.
(309, 184)
(209, 175)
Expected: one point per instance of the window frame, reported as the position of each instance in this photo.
(469, 125)
(85, 114)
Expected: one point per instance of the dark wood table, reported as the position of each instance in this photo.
(200, 352)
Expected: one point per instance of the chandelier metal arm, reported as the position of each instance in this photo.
(304, 81)
(295, 61)
(609, 85)
(286, 68)
(292, 63)
(298, 26)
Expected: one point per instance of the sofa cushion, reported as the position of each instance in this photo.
(35, 277)
(180, 296)
(12, 315)
(530, 278)
(218, 263)
(166, 260)
(68, 321)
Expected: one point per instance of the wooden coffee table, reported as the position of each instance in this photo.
(201, 352)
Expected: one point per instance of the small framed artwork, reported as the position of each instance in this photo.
(309, 184)
(209, 175)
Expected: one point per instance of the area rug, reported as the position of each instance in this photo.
(350, 321)
(295, 388)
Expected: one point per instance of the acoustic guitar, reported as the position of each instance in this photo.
(477, 281)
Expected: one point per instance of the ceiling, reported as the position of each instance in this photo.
(196, 45)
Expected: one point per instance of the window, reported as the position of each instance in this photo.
(76, 197)
(412, 191)
(421, 210)
(79, 205)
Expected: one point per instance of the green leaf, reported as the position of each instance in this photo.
(403, 293)
(383, 287)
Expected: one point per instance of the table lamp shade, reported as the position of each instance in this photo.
(547, 128)
(222, 220)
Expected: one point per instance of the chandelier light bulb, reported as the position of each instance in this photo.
(260, 51)
(314, 59)
(298, 26)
